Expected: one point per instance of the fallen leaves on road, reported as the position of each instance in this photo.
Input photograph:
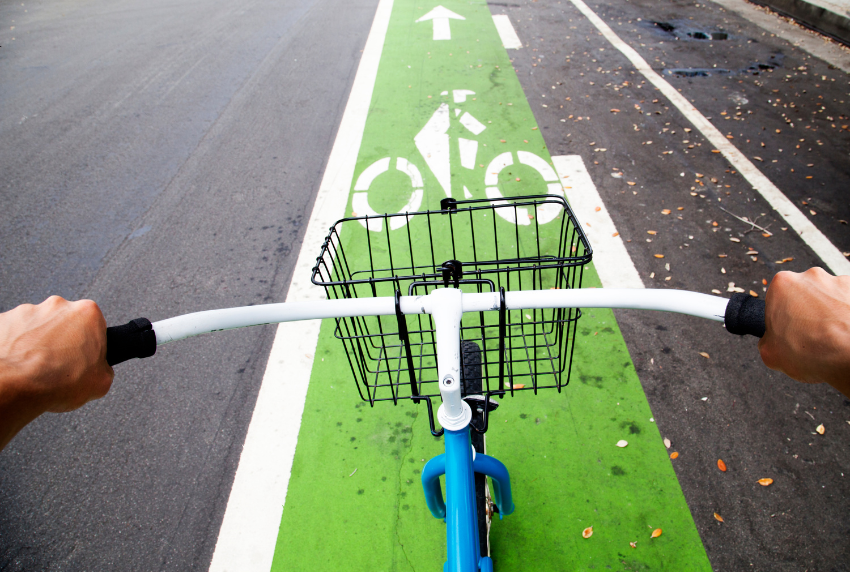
(655, 533)
(820, 429)
(658, 255)
(587, 532)
(615, 111)
(667, 442)
(631, 183)
(674, 455)
(734, 239)
(651, 232)
(733, 288)
(718, 518)
(721, 465)
(784, 260)
(765, 482)
(705, 355)
(752, 252)
(665, 211)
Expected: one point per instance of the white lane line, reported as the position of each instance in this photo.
(506, 32)
(248, 534)
(814, 238)
(610, 258)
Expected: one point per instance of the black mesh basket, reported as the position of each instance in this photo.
(522, 243)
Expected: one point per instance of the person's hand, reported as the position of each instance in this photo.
(52, 358)
(807, 319)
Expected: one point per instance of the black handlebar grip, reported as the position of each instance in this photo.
(745, 315)
(135, 339)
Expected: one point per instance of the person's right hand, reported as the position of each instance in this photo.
(807, 319)
(52, 358)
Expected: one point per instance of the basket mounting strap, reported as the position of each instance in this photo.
(405, 339)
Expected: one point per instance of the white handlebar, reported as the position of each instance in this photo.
(679, 301)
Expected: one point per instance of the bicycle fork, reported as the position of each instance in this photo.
(459, 463)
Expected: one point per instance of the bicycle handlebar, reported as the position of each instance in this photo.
(139, 338)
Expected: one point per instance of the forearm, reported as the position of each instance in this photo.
(17, 409)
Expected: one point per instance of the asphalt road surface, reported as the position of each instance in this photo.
(160, 158)
(163, 157)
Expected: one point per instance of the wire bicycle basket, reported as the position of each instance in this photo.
(474, 245)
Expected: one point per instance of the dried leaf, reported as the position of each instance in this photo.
(622, 443)
(754, 294)
(665, 211)
(518, 385)
(705, 355)
(700, 175)
(630, 183)
(667, 442)
(721, 465)
(751, 252)
(718, 518)
(734, 239)
(597, 209)
(655, 533)
(651, 232)
(820, 429)
(765, 482)
(587, 532)
(674, 455)
(633, 544)
(615, 111)
(616, 234)
(764, 281)
(658, 255)
(721, 256)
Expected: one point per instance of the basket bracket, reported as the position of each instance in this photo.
(452, 271)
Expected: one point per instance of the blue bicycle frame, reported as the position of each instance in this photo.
(459, 464)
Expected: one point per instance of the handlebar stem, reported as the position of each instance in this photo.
(446, 307)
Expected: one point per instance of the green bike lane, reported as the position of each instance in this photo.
(354, 499)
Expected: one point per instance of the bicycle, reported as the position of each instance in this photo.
(462, 333)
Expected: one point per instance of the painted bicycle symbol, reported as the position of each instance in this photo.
(434, 145)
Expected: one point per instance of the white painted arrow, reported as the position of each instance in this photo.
(441, 16)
